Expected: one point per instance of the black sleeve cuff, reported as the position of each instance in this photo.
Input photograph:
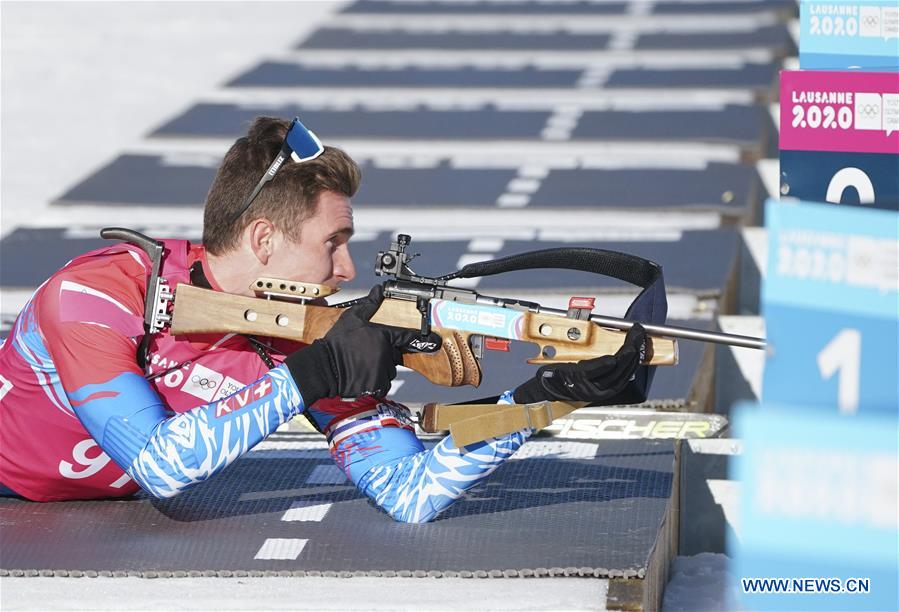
(313, 372)
(529, 392)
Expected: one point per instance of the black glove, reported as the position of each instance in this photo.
(355, 357)
(592, 380)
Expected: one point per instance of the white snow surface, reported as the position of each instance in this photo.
(700, 583)
(92, 79)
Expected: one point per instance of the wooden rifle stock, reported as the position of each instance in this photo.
(199, 311)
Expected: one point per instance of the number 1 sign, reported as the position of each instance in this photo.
(831, 307)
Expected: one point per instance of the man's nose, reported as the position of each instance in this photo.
(344, 269)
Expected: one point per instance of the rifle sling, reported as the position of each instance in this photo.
(623, 266)
(470, 423)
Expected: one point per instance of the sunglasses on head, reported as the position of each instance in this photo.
(300, 145)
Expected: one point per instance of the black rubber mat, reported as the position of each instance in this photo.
(514, 7)
(733, 190)
(289, 74)
(754, 76)
(671, 387)
(144, 180)
(723, 187)
(41, 251)
(140, 180)
(487, 123)
(339, 38)
(576, 7)
(286, 74)
(775, 38)
(598, 515)
(746, 126)
(785, 7)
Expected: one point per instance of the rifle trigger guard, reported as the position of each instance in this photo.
(424, 307)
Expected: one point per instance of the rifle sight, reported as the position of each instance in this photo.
(393, 261)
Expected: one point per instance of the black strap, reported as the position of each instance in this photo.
(198, 276)
(143, 352)
(261, 350)
(625, 267)
(632, 269)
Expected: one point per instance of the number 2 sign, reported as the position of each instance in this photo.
(839, 137)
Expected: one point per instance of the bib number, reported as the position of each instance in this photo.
(87, 466)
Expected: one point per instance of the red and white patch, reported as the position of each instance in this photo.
(242, 399)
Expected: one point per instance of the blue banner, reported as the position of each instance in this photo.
(849, 34)
(831, 307)
(818, 517)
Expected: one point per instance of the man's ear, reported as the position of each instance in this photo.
(261, 236)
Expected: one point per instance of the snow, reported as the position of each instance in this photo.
(700, 583)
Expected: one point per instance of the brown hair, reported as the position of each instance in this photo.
(287, 200)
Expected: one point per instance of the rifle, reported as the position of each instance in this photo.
(469, 323)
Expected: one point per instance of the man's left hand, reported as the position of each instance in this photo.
(591, 380)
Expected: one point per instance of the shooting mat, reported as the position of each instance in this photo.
(565, 508)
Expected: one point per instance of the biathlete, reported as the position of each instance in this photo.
(91, 406)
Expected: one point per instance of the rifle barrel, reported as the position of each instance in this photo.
(672, 331)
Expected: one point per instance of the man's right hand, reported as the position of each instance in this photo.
(355, 357)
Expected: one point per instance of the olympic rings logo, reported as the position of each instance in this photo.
(204, 383)
(868, 110)
(871, 21)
